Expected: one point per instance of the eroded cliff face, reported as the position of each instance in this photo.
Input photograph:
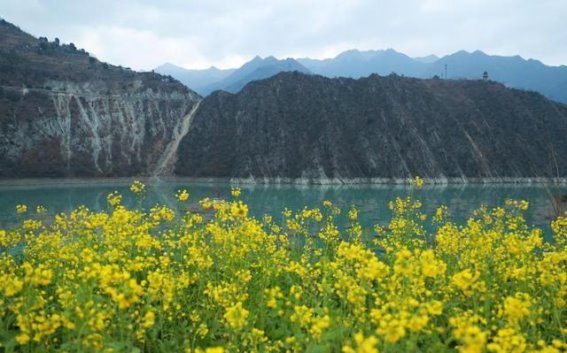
(296, 127)
(91, 129)
(65, 113)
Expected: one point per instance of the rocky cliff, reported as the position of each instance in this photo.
(64, 113)
(311, 128)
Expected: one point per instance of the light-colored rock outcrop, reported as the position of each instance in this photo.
(89, 130)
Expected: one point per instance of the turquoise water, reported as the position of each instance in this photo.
(372, 200)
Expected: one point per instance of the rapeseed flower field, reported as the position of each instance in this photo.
(164, 280)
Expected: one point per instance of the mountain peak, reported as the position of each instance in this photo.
(255, 59)
(513, 71)
(460, 53)
(257, 69)
(167, 66)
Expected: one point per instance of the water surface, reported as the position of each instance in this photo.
(372, 200)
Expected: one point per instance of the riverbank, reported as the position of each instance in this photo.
(387, 182)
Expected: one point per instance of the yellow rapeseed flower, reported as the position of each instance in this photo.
(137, 187)
(182, 195)
(363, 344)
(236, 316)
(517, 307)
(214, 350)
(149, 319)
(114, 198)
(235, 192)
(239, 209)
(88, 280)
(418, 182)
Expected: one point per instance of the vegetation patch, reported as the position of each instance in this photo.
(163, 280)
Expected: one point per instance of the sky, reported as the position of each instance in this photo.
(196, 34)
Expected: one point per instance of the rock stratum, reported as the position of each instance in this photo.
(297, 127)
(64, 113)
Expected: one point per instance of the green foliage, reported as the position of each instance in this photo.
(220, 281)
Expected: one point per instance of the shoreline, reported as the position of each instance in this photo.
(541, 181)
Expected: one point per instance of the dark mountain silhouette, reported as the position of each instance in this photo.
(312, 128)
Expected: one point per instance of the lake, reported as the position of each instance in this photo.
(372, 200)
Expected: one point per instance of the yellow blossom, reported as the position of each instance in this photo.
(121, 276)
(418, 182)
(236, 316)
(517, 307)
(137, 187)
(182, 195)
(363, 344)
(235, 192)
(149, 319)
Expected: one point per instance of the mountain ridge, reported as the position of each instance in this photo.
(513, 71)
(231, 80)
(312, 128)
(64, 113)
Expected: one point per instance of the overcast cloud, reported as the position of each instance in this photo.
(144, 34)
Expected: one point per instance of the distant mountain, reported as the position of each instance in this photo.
(64, 113)
(513, 71)
(310, 128)
(427, 59)
(256, 69)
(232, 80)
(355, 64)
(198, 80)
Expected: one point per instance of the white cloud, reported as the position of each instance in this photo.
(143, 34)
(140, 49)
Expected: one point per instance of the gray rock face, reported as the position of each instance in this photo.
(64, 113)
(305, 127)
(87, 130)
